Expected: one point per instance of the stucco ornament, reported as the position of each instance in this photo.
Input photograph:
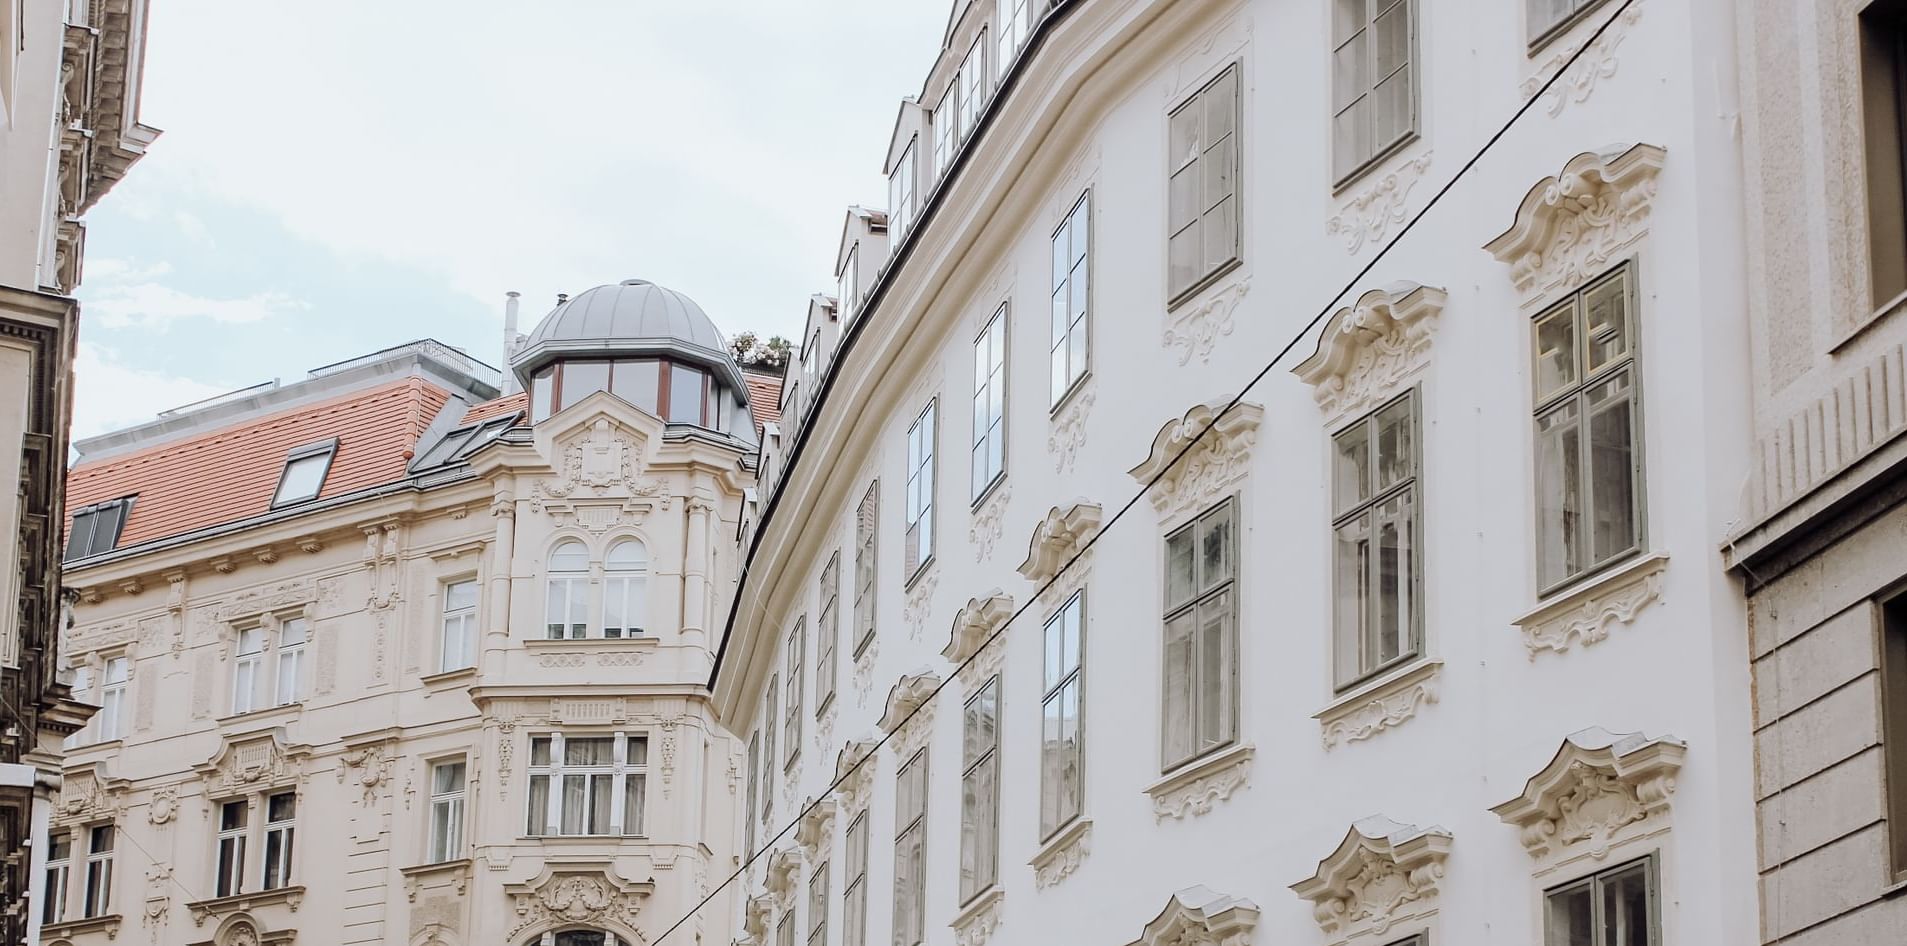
(1194, 330)
(1585, 617)
(1597, 64)
(163, 806)
(1370, 347)
(252, 761)
(855, 774)
(1385, 704)
(1063, 533)
(1381, 875)
(977, 921)
(592, 895)
(909, 717)
(1201, 916)
(783, 876)
(90, 794)
(988, 524)
(1196, 788)
(1370, 213)
(1572, 227)
(599, 481)
(1059, 857)
(920, 604)
(814, 833)
(1598, 785)
(1068, 433)
(367, 767)
(1196, 459)
(973, 628)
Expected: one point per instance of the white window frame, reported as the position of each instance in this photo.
(231, 880)
(1208, 266)
(910, 828)
(571, 587)
(866, 566)
(1016, 27)
(771, 708)
(854, 892)
(628, 587)
(818, 905)
(59, 877)
(98, 897)
(248, 668)
(1219, 597)
(288, 677)
(622, 771)
(791, 719)
(113, 681)
(849, 301)
(310, 456)
(445, 832)
(279, 847)
(980, 793)
(1070, 343)
(827, 631)
(754, 782)
(902, 190)
(1540, 34)
(457, 644)
(987, 455)
(1359, 41)
(1356, 648)
(922, 437)
(1648, 864)
(1060, 677)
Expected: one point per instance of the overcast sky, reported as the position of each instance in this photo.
(332, 183)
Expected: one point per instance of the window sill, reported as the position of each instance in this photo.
(290, 897)
(581, 840)
(980, 916)
(1583, 612)
(986, 495)
(67, 929)
(1383, 703)
(1569, 23)
(920, 572)
(90, 748)
(452, 873)
(1376, 163)
(1876, 317)
(1071, 395)
(1194, 787)
(1203, 283)
(1061, 855)
(260, 718)
(592, 645)
(449, 679)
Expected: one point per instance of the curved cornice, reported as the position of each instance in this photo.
(1371, 345)
(1572, 225)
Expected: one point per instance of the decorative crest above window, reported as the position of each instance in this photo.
(1369, 347)
(252, 762)
(1575, 225)
(855, 775)
(815, 830)
(914, 691)
(784, 874)
(1382, 875)
(972, 627)
(1598, 785)
(1057, 537)
(1211, 464)
(1200, 916)
(592, 893)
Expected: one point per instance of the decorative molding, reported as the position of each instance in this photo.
(1068, 432)
(453, 874)
(368, 766)
(1370, 347)
(598, 482)
(815, 831)
(783, 876)
(90, 793)
(1383, 704)
(1575, 225)
(245, 903)
(163, 805)
(1211, 463)
(577, 893)
(1381, 875)
(920, 603)
(1368, 216)
(1062, 534)
(864, 672)
(1580, 81)
(1195, 330)
(855, 773)
(1585, 613)
(909, 718)
(973, 627)
(1195, 788)
(975, 922)
(252, 761)
(1598, 784)
(988, 523)
(1059, 857)
(1200, 916)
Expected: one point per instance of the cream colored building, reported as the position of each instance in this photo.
(384, 658)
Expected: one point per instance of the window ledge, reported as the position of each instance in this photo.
(88, 749)
(1375, 163)
(1204, 283)
(1876, 317)
(290, 897)
(920, 571)
(581, 840)
(67, 929)
(456, 872)
(1583, 612)
(976, 921)
(643, 642)
(1383, 703)
(1059, 857)
(1072, 394)
(1193, 788)
(260, 718)
(449, 679)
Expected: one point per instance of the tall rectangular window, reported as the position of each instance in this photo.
(1201, 636)
(248, 671)
(900, 195)
(566, 594)
(854, 897)
(849, 301)
(791, 718)
(818, 905)
(1202, 193)
(1072, 284)
(1884, 114)
(1377, 570)
(233, 819)
(827, 631)
(99, 871)
(446, 811)
(1617, 907)
(1547, 18)
(586, 785)
(973, 85)
(980, 792)
(1016, 25)
(458, 647)
(1062, 790)
(946, 128)
(754, 779)
(281, 822)
(293, 634)
(866, 533)
(910, 851)
(1588, 436)
(625, 590)
(1373, 92)
(770, 710)
(111, 721)
(1894, 726)
(989, 405)
(920, 490)
(59, 871)
(785, 930)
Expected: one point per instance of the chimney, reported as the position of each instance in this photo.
(511, 340)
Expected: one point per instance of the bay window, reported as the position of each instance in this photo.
(587, 785)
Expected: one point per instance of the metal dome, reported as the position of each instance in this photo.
(634, 316)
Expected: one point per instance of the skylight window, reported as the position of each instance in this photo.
(96, 528)
(305, 470)
(462, 442)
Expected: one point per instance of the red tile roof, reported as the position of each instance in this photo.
(507, 404)
(764, 395)
(230, 474)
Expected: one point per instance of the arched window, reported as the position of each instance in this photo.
(625, 580)
(568, 603)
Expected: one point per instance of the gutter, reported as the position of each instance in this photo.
(870, 307)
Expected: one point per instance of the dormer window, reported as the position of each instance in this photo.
(96, 528)
(900, 198)
(960, 105)
(849, 295)
(305, 470)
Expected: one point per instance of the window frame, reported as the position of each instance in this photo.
(1537, 39)
(632, 584)
(909, 823)
(620, 769)
(827, 635)
(282, 832)
(112, 716)
(1016, 28)
(449, 845)
(254, 661)
(903, 185)
(122, 507)
(867, 528)
(58, 877)
(1380, 152)
(996, 427)
(575, 583)
(970, 820)
(796, 656)
(818, 905)
(1652, 874)
(293, 654)
(1343, 515)
(97, 892)
(1891, 615)
(1883, 98)
(771, 711)
(1209, 274)
(854, 892)
(229, 877)
(327, 449)
(1231, 692)
(465, 617)
(1061, 394)
(925, 466)
(1076, 676)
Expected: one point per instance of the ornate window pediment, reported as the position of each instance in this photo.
(783, 875)
(972, 627)
(815, 831)
(1057, 537)
(1369, 347)
(755, 914)
(599, 464)
(252, 761)
(1212, 462)
(91, 793)
(1601, 790)
(568, 893)
(914, 691)
(1200, 916)
(854, 773)
(1382, 875)
(1571, 227)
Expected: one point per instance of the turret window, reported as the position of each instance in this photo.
(679, 393)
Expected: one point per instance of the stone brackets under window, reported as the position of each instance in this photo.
(914, 692)
(1572, 227)
(1062, 854)
(1212, 463)
(972, 628)
(1201, 916)
(1382, 876)
(1584, 614)
(1601, 790)
(1193, 788)
(1368, 348)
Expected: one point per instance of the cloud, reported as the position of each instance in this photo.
(111, 395)
(153, 305)
(109, 269)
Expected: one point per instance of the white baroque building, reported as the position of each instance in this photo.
(1424, 640)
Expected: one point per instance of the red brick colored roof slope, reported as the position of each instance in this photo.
(229, 474)
(507, 404)
(764, 395)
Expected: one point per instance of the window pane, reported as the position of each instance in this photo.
(1221, 234)
(1395, 548)
(1392, 44)
(685, 394)
(1182, 259)
(1215, 548)
(1179, 582)
(447, 778)
(303, 477)
(1218, 167)
(1392, 111)
(1555, 350)
(1351, 587)
(539, 805)
(575, 802)
(637, 382)
(1625, 908)
(1177, 713)
(1606, 329)
(569, 557)
(1352, 467)
(583, 378)
(1182, 197)
(1183, 133)
(1571, 920)
(1396, 454)
(599, 750)
(1612, 468)
(1214, 692)
(1558, 493)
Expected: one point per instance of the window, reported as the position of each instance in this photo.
(818, 905)
(99, 871)
(59, 866)
(678, 392)
(827, 631)
(96, 528)
(946, 128)
(1894, 726)
(579, 938)
(567, 602)
(854, 899)
(688, 395)
(1202, 198)
(1374, 100)
(1377, 570)
(866, 531)
(458, 648)
(1884, 107)
(110, 696)
(1614, 908)
(989, 405)
(1071, 282)
(248, 671)
(281, 822)
(446, 812)
(910, 851)
(82, 683)
(959, 108)
(233, 816)
(1061, 787)
(785, 931)
(770, 707)
(900, 197)
(304, 473)
(1550, 17)
(587, 785)
(625, 583)
(797, 653)
(1588, 446)
(1201, 636)
(849, 301)
(920, 491)
(1015, 27)
(293, 634)
(462, 442)
(754, 774)
(980, 792)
